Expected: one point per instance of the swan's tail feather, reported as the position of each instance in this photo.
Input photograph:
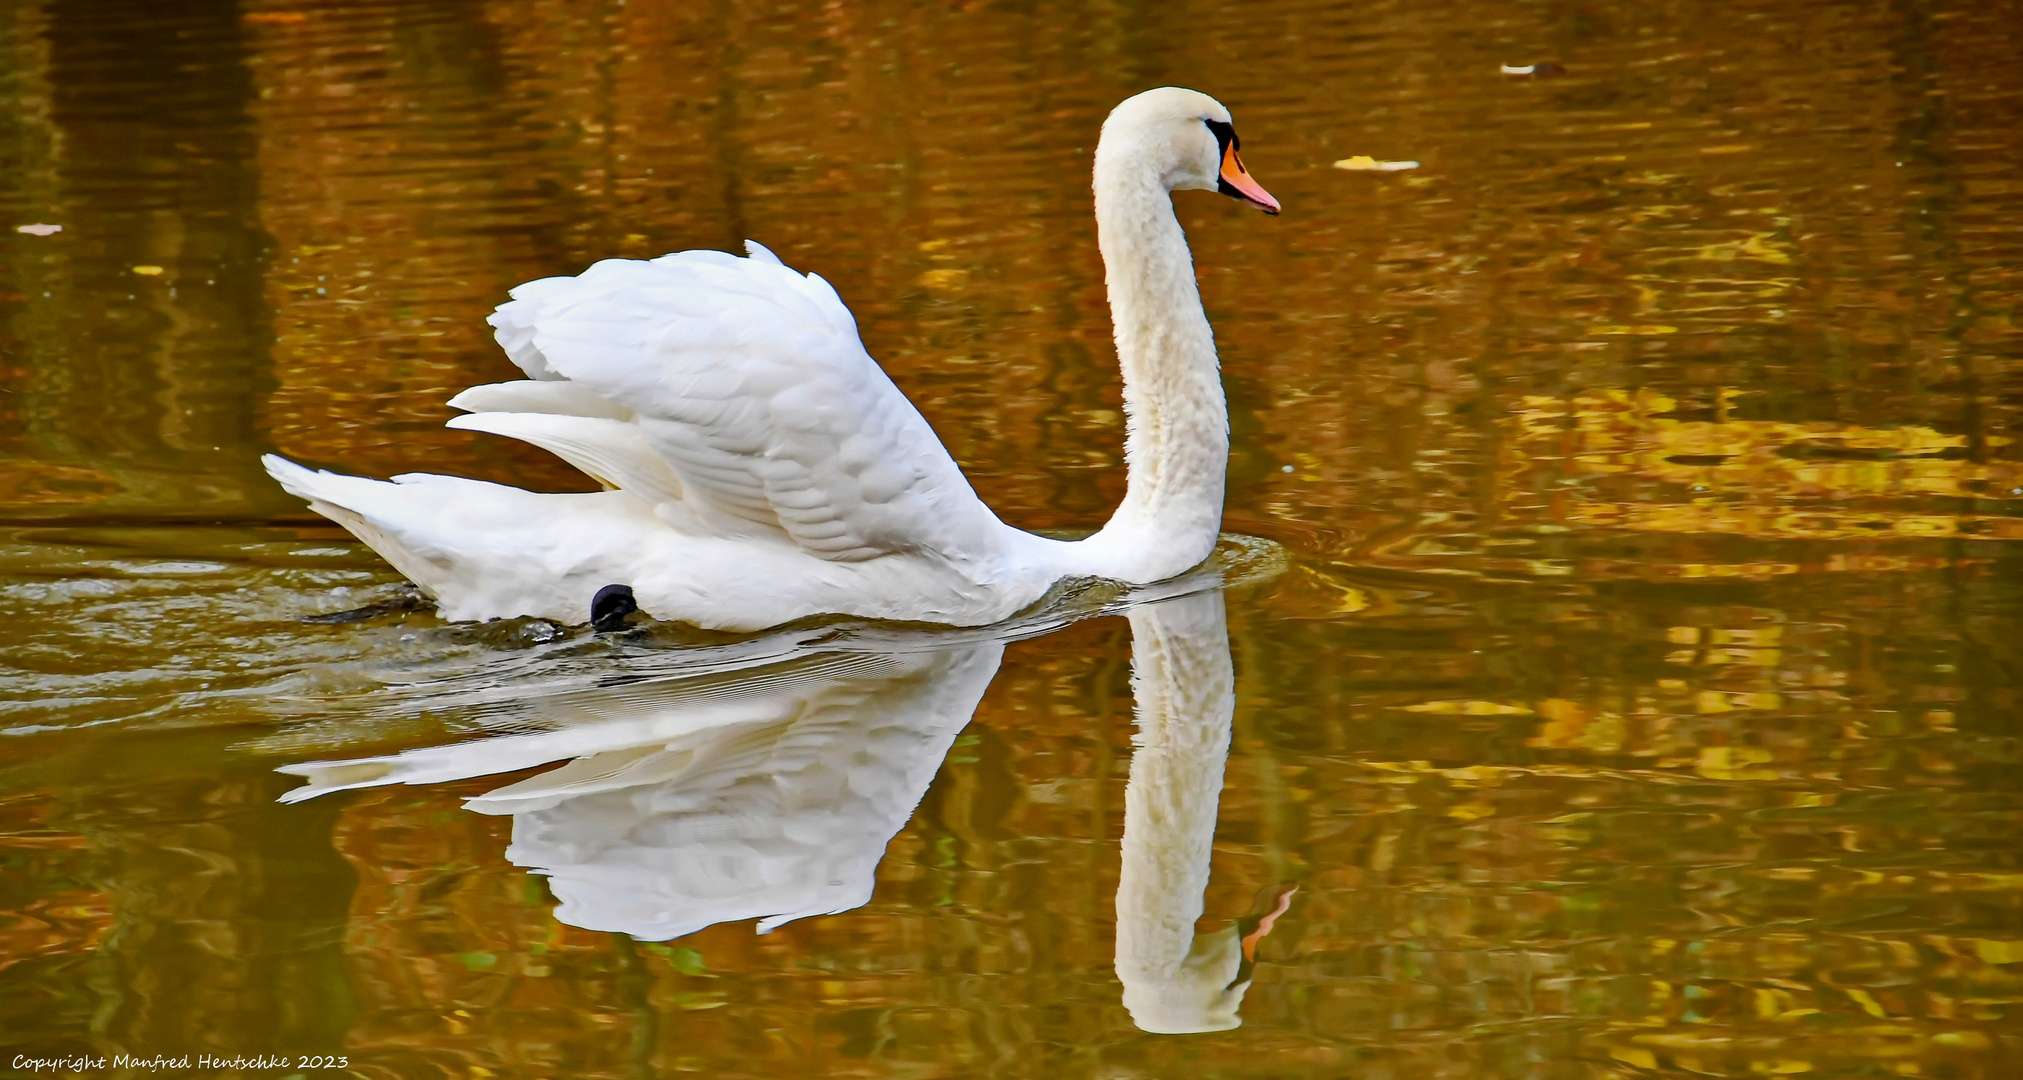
(351, 501)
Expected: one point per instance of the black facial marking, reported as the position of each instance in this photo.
(1225, 141)
(610, 606)
(1225, 137)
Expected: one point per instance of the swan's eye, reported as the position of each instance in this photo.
(1225, 136)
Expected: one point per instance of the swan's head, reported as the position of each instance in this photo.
(1201, 993)
(1185, 138)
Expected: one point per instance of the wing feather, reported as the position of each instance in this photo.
(613, 452)
(749, 382)
(539, 396)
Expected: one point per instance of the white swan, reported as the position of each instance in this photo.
(763, 468)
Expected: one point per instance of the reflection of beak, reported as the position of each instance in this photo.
(1257, 933)
(1236, 181)
(1255, 927)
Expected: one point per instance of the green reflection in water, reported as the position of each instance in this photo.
(1640, 700)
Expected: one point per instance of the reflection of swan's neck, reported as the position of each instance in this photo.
(1180, 672)
(1176, 439)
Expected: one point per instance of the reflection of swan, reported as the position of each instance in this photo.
(1180, 673)
(691, 802)
(766, 469)
(771, 794)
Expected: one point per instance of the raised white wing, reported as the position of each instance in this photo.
(747, 382)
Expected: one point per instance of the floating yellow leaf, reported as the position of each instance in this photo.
(1467, 708)
(1366, 163)
(148, 271)
(943, 279)
(1646, 330)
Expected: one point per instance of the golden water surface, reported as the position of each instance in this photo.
(1632, 691)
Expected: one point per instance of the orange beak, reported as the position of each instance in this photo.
(1235, 180)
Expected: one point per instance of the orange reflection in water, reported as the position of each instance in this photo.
(1748, 477)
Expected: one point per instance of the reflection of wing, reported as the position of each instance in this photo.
(1181, 675)
(687, 804)
(734, 396)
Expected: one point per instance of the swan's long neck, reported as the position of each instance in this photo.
(1186, 691)
(1176, 442)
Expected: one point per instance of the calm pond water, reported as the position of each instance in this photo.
(1622, 680)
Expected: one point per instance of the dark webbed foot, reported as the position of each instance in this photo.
(610, 606)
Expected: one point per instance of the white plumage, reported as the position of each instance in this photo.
(761, 467)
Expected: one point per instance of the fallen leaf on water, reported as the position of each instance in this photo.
(1644, 330)
(943, 279)
(276, 17)
(1366, 163)
(1466, 708)
(148, 271)
(39, 230)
